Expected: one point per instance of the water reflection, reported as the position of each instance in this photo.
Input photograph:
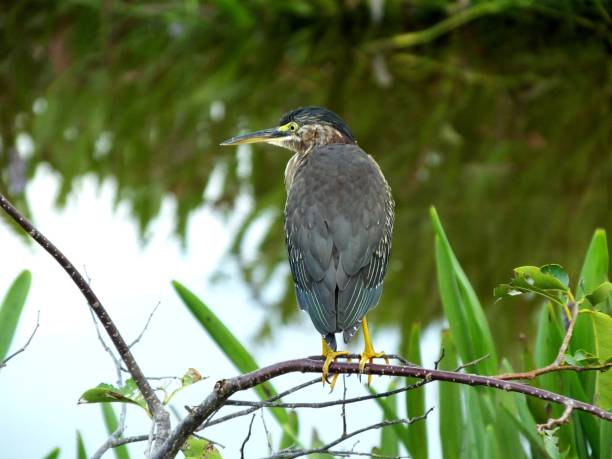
(506, 129)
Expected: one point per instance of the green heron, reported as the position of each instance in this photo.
(338, 223)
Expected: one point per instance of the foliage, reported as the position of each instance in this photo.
(471, 95)
(10, 310)
(235, 351)
(462, 108)
(481, 423)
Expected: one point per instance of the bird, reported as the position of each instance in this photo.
(338, 220)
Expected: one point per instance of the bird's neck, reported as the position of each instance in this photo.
(292, 166)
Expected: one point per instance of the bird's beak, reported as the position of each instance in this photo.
(265, 135)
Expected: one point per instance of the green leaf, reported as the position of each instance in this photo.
(605, 438)
(506, 429)
(467, 321)
(475, 430)
(600, 294)
(602, 332)
(592, 275)
(107, 393)
(491, 448)
(542, 278)
(389, 412)
(551, 443)
(81, 452)
(415, 400)
(198, 448)
(524, 422)
(233, 349)
(54, 454)
(288, 440)
(11, 308)
(595, 267)
(111, 423)
(557, 272)
(582, 358)
(315, 443)
(389, 445)
(451, 411)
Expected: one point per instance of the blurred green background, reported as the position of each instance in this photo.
(497, 112)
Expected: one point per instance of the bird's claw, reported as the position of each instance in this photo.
(330, 356)
(368, 356)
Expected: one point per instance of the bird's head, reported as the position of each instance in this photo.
(300, 130)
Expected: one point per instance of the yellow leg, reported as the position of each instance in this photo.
(330, 356)
(368, 354)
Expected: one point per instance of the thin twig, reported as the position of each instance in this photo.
(352, 453)
(439, 359)
(328, 446)
(472, 363)
(144, 329)
(573, 308)
(247, 437)
(268, 436)
(343, 414)
(563, 419)
(25, 346)
(211, 422)
(317, 405)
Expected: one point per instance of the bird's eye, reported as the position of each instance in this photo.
(293, 126)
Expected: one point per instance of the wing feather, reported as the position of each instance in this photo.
(338, 223)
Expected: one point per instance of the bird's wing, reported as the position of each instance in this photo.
(338, 222)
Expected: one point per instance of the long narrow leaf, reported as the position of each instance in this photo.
(389, 412)
(111, 423)
(466, 317)
(506, 430)
(231, 347)
(415, 400)
(595, 267)
(54, 454)
(81, 452)
(593, 273)
(491, 448)
(389, 445)
(451, 411)
(586, 385)
(11, 308)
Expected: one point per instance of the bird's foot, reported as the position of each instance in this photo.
(368, 355)
(330, 356)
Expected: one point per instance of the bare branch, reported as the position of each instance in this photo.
(225, 388)
(144, 329)
(161, 417)
(552, 423)
(343, 414)
(573, 308)
(472, 363)
(268, 436)
(330, 445)
(25, 346)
